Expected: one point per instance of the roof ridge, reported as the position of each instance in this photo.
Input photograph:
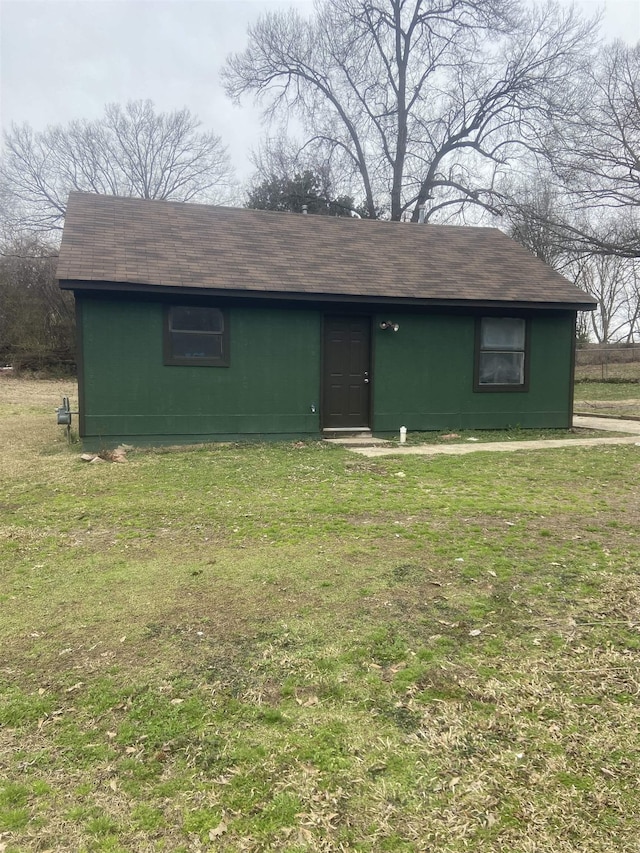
(277, 213)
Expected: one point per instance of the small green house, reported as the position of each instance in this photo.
(199, 323)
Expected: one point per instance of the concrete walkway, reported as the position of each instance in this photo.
(632, 428)
(614, 424)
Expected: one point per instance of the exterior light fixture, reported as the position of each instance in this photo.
(387, 324)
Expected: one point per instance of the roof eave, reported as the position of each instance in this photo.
(300, 296)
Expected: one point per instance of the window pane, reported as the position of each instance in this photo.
(185, 319)
(502, 333)
(193, 345)
(501, 368)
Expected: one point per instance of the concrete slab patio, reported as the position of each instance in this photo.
(630, 428)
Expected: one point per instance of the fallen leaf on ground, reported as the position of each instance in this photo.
(219, 830)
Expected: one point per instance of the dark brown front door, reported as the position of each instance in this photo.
(346, 372)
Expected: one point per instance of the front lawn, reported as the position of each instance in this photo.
(294, 648)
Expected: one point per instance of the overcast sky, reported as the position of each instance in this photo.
(64, 59)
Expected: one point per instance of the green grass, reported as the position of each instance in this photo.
(605, 391)
(614, 398)
(610, 389)
(290, 648)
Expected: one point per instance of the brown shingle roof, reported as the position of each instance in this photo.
(158, 243)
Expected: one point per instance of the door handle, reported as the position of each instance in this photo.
(366, 381)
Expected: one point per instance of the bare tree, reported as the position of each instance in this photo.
(613, 283)
(633, 309)
(423, 101)
(130, 151)
(532, 207)
(594, 151)
(542, 216)
(601, 163)
(36, 317)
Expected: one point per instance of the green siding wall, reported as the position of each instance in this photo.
(422, 376)
(269, 387)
